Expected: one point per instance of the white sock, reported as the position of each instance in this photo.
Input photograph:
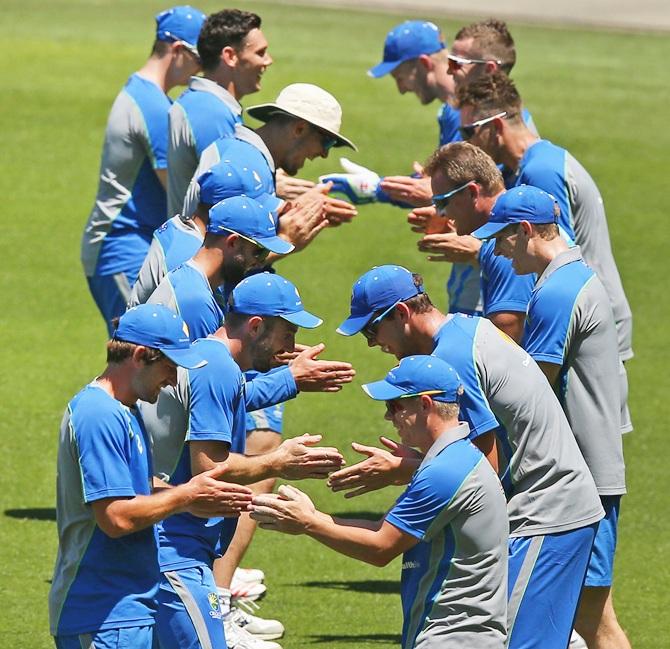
(224, 599)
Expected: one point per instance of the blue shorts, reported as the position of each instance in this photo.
(132, 637)
(546, 574)
(189, 615)
(601, 563)
(111, 294)
(267, 419)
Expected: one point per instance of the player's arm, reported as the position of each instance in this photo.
(449, 246)
(204, 495)
(292, 512)
(162, 175)
(551, 371)
(488, 445)
(510, 322)
(294, 459)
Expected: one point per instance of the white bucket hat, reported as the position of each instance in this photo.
(308, 102)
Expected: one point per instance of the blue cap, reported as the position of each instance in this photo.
(180, 24)
(522, 203)
(225, 180)
(417, 375)
(269, 294)
(247, 217)
(380, 288)
(154, 325)
(406, 41)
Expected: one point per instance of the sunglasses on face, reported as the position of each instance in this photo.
(372, 327)
(468, 131)
(328, 141)
(440, 201)
(457, 62)
(395, 405)
(192, 50)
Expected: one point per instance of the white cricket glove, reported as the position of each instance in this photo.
(359, 184)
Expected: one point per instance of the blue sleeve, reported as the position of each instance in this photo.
(428, 496)
(102, 439)
(546, 328)
(502, 288)
(449, 120)
(202, 317)
(214, 399)
(154, 106)
(268, 389)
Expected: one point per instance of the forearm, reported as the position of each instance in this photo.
(270, 388)
(354, 538)
(247, 469)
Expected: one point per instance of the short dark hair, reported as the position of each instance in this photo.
(491, 94)
(160, 48)
(492, 40)
(419, 303)
(462, 162)
(119, 351)
(546, 231)
(227, 28)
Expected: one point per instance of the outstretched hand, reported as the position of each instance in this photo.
(314, 375)
(299, 458)
(289, 511)
(379, 469)
(211, 497)
(451, 247)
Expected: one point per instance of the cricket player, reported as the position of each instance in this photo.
(234, 55)
(466, 184)
(490, 109)
(202, 422)
(105, 582)
(570, 332)
(553, 506)
(449, 524)
(131, 201)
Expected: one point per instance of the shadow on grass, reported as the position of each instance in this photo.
(33, 513)
(377, 586)
(385, 638)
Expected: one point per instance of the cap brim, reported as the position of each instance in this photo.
(489, 230)
(187, 358)
(263, 112)
(276, 245)
(382, 391)
(383, 68)
(303, 319)
(269, 202)
(353, 324)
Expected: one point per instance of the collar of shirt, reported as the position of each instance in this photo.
(449, 436)
(563, 259)
(207, 85)
(200, 272)
(250, 136)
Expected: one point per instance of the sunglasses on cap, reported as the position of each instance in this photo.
(395, 405)
(457, 62)
(440, 201)
(372, 327)
(468, 131)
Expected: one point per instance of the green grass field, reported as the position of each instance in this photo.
(601, 95)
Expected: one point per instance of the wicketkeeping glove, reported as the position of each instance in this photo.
(359, 184)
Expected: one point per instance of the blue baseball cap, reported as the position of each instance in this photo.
(417, 375)
(269, 294)
(248, 218)
(522, 203)
(180, 24)
(225, 180)
(406, 41)
(380, 288)
(154, 325)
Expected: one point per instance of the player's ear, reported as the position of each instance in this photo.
(403, 312)
(229, 56)
(491, 67)
(426, 62)
(254, 326)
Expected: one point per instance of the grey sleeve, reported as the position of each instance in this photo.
(210, 157)
(164, 294)
(182, 159)
(150, 275)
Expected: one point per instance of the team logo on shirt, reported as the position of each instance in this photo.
(140, 448)
(408, 565)
(213, 600)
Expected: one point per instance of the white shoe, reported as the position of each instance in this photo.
(248, 576)
(238, 638)
(248, 592)
(257, 626)
(576, 641)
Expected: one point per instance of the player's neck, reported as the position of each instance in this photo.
(156, 70)
(116, 381)
(235, 347)
(424, 328)
(545, 252)
(210, 261)
(222, 77)
(517, 142)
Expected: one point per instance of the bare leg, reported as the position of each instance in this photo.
(597, 622)
(258, 442)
